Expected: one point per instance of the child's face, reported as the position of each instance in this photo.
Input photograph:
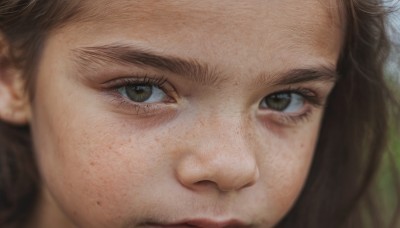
(158, 113)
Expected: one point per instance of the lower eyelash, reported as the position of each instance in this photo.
(291, 119)
(310, 98)
(135, 109)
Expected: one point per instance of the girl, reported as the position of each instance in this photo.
(192, 113)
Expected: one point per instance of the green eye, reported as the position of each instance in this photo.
(283, 102)
(142, 93)
(278, 102)
(139, 93)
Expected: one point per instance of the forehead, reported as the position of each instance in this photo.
(212, 30)
(314, 19)
(206, 11)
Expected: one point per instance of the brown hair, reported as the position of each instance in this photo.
(355, 131)
(352, 142)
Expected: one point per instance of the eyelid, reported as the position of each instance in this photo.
(309, 95)
(136, 79)
(313, 99)
(159, 81)
(111, 88)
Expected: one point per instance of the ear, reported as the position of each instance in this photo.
(14, 102)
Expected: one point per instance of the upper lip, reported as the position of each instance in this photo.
(205, 223)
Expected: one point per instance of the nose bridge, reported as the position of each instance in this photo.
(221, 154)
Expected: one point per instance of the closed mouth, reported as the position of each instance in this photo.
(199, 223)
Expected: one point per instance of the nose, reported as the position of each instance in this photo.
(220, 156)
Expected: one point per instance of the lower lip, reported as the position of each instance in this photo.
(197, 223)
(169, 226)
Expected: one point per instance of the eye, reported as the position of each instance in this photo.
(143, 93)
(288, 102)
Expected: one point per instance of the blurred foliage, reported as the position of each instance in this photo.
(387, 181)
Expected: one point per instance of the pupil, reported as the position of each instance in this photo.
(139, 93)
(279, 102)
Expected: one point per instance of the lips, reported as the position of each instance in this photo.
(201, 223)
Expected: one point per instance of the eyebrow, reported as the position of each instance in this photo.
(296, 76)
(192, 69)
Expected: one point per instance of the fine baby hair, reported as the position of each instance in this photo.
(206, 113)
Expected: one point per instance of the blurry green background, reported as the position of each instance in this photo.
(386, 180)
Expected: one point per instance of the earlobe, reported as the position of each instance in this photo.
(14, 103)
(14, 107)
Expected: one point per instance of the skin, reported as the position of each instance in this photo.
(209, 151)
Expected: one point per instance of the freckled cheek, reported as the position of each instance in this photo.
(285, 166)
(98, 165)
(114, 159)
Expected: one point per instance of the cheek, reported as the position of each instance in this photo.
(285, 166)
(92, 162)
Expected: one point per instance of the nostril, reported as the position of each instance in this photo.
(206, 183)
(231, 169)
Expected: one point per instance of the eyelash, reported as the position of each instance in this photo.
(310, 97)
(142, 108)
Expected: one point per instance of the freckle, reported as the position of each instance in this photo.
(301, 145)
(92, 163)
(98, 203)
